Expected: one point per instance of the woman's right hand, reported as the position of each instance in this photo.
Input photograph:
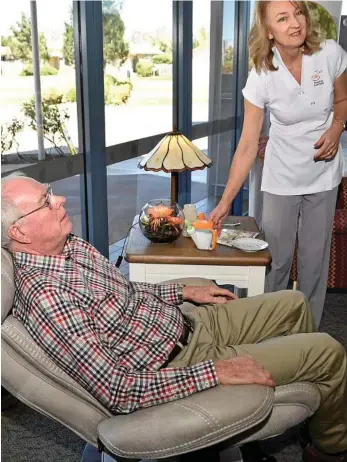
(219, 214)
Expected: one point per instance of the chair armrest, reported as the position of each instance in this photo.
(340, 222)
(188, 424)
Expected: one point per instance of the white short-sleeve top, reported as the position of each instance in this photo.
(299, 115)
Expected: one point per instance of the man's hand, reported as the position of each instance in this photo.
(207, 294)
(242, 370)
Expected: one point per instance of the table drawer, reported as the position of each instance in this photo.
(238, 275)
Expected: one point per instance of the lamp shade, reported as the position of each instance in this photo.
(175, 153)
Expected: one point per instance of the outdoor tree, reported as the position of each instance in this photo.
(112, 6)
(9, 133)
(68, 44)
(116, 48)
(164, 45)
(53, 122)
(324, 20)
(228, 56)
(5, 41)
(20, 41)
(202, 34)
(196, 42)
(228, 53)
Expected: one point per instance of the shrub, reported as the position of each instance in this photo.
(144, 68)
(53, 121)
(70, 96)
(227, 67)
(44, 70)
(9, 133)
(117, 94)
(48, 70)
(27, 70)
(53, 96)
(116, 91)
(162, 59)
(109, 80)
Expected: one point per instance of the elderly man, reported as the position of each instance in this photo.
(131, 346)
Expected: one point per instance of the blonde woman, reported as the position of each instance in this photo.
(302, 81)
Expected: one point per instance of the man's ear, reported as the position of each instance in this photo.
(15, 233)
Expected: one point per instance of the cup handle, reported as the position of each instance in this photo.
(214, 239)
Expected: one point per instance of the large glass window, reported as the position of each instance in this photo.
(201, 63)
(70, 188)
(138, 69)
(57, 79)
(19, 141)
(129, 188)
(213, 101)
(246, 185)
(138, 101)
(138, 83)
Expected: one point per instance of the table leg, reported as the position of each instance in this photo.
(256, 280)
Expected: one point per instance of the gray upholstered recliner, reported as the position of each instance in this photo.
(237, 414)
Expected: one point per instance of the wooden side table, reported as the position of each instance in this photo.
(149, 262)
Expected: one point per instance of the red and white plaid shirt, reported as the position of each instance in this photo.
(109, 334)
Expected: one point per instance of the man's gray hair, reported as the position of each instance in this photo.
(9, 210)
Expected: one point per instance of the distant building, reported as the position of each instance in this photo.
(55, 57)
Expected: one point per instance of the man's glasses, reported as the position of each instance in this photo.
(47, 203)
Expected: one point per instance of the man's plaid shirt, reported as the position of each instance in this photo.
(109, 334)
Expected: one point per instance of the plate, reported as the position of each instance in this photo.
(249, 244)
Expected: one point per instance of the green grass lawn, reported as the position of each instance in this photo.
(17, 89)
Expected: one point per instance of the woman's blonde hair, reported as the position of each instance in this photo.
(260, 46)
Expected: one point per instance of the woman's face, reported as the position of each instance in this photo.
(286, 24)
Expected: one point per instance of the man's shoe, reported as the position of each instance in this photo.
(311, 454)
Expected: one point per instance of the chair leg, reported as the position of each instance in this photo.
(252, 452)
(8, 401)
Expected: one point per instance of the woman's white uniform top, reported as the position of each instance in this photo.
(299, 115)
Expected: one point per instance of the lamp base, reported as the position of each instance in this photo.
(174, 187)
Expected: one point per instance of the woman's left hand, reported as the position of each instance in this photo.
(328, 143)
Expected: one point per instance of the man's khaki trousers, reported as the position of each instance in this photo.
(298, 353)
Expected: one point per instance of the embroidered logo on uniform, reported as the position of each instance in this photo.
(317, 80)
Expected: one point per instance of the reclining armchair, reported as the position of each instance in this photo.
(234, 415)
